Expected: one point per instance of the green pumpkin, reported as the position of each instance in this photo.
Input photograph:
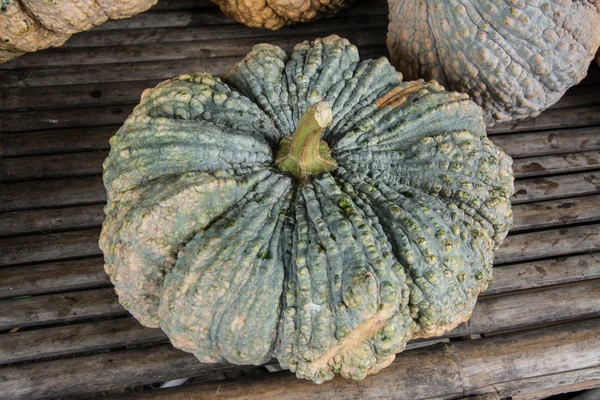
(515, 58)
(310, 207)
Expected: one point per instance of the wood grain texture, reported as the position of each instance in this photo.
(491, 314)
(90, 163)
(556, 187)
(56, 141)
(557, 141)
(536, 274)
(84, 243)
(180, 51)
(545, 214)
(536, 215)
(115, 72)
(101, 372)
(552, 119)
(549, 243)
(52, 220)
(514, 364)
(62, 307)
(51, 193)
(53, 246)
(553, 164)
(76, 338)
(54, 277)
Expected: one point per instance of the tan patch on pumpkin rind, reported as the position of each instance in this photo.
(27, 25)
(356, 338)
(398, 95)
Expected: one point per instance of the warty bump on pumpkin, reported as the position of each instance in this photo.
(274, 14)
(244, 243)
(515, 58)
(31, 25)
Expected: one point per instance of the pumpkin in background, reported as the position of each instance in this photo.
(515, 58)
(274, 14)
(311, 207)
(31, 25)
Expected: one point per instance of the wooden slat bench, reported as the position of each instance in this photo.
(534, 333)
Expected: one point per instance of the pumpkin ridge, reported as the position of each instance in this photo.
(205, 285)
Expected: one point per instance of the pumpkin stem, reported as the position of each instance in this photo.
(305, 154)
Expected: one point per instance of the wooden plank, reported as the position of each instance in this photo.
(182, 50)
(78, 139)
(519, 145)
(579, 96)
(537, 274)
(19, 121)
(68, 96)
(189, 33)
(90, 190)
(552, 119)
(59, 308)
(55, 277)
(443, 372)
(562, 163)
(58, 341)
(556, 212)
(113, 72)
(90, 163)
(51, 193)
(550, 243)
(542, 387)
(527, 216)
(102, 372)
(115, 115)
(56, 141)
(54, 246)
(84, 243)
(438, 371)
(76, 338)
(555, 187)
(532, 308)
(52, 220)
(73, 164)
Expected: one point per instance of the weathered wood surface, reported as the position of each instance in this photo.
(84, 243)
(493, 313)
(90, 163)
(52, 220)
(542, 214)
(48, 193)
(61, 307)
(507, 364)
(20, 121)
(56, 277)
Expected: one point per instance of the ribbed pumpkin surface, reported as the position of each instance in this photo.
(238, 261)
